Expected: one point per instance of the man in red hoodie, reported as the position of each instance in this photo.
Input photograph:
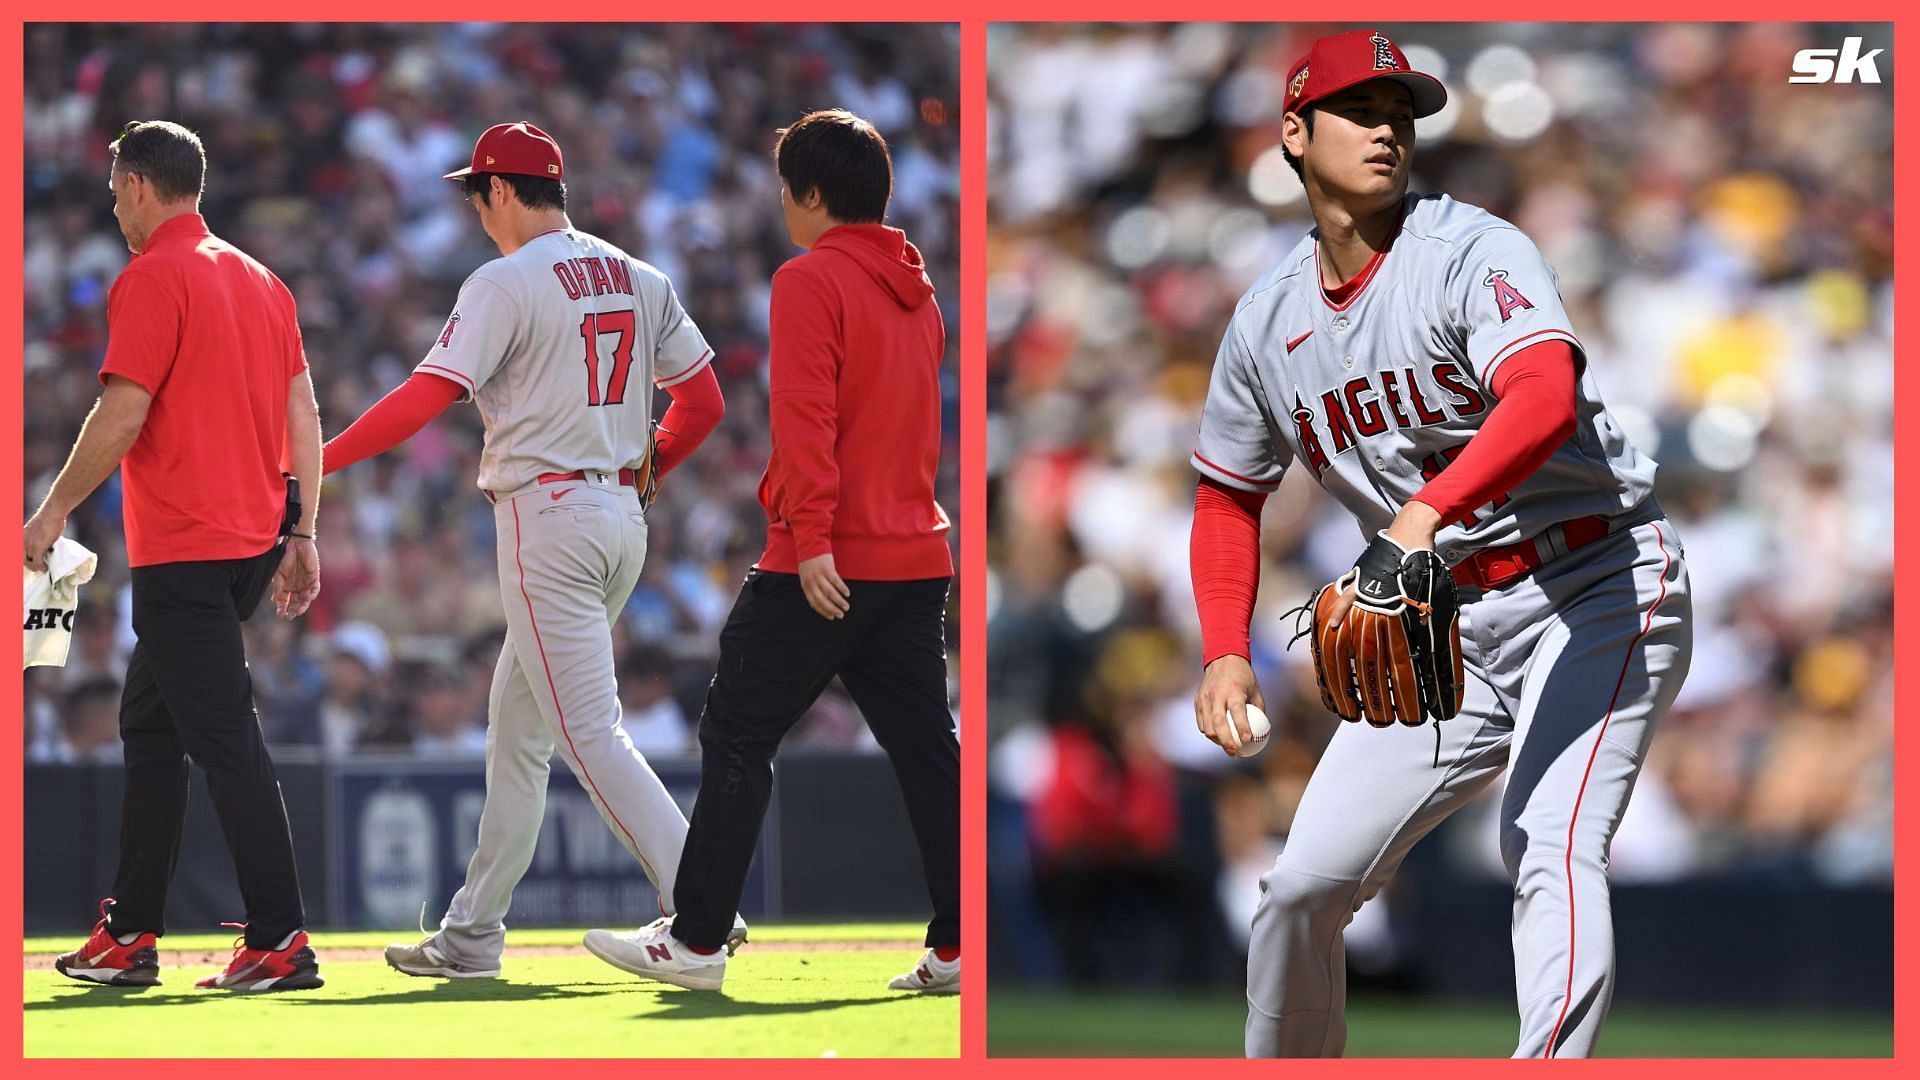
(854, 578)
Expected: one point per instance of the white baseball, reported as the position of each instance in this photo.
(1256, 720)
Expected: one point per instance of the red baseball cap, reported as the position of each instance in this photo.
(518, 148)
(1340, 61)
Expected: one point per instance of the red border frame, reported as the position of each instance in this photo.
(973, 16)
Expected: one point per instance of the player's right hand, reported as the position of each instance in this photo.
(42, 532)
(1220, 708)
(826, 593)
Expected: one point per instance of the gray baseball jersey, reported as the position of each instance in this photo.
(1569, 668)
(544, 342)
(1378, 395)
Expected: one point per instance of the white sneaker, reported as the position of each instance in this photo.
(652, 952)
(426, 960)
(932, 976)
(737, 936)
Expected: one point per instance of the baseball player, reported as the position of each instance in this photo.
(544, 341)
(1414, 355)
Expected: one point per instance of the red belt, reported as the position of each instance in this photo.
(1492, 568)
(632, 478)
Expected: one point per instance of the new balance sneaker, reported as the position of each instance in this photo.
(428, 960)
(652, 952)
(931, 976)
(103, 959)
(291, 967)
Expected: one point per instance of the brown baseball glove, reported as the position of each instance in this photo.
(650, 469)
(1396, 655)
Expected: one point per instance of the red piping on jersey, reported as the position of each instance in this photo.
(1567, 999)
(668, 381)
(549, 232)
(1266, 484)
(560, 712)
(1358, 283)
(471, 389)
(1507, 350)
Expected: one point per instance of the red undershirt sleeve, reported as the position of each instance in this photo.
(1532, 418)
(696, 410)
(1224, 557)
(392, 420)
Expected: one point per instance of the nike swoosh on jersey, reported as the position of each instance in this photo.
(1291, 345)
(555, 495)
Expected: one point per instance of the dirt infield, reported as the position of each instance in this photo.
(210, 958)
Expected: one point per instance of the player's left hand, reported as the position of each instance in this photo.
(43, 531)
(296, 584)
(825, 592)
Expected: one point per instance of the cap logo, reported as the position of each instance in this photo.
(1383, 55)
(1298, 85)
(489, 159)
(554, 169)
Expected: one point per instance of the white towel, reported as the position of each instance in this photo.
(52, 599)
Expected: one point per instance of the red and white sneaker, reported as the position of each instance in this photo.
(931, 976)
(104, 960)
(291, 968)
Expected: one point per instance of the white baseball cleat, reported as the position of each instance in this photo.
(931, 976)
(737, 936)
(428, 961)
(652, 952)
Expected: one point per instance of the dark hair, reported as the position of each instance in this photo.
(169, 156)
(842, 157)
(1306, 117)
(534, 192)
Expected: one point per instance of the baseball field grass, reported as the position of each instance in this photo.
(792, 991)
(1027, 1024)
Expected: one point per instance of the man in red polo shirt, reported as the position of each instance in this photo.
(206, 401)
(854, 578)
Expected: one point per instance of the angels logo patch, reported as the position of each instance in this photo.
(1505, 294)
(1383, 59)
(446, 336)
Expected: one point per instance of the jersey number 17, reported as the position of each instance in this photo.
(592, 328)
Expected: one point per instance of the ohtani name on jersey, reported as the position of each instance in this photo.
(591, 275)
(1368, 405)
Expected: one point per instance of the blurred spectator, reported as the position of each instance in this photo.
(444, 719)
(355, 702)
(653, 718)
(1723, 243)
(90, 723)
(326, 144)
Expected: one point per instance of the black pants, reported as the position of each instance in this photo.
(776, 655)
(188, 695)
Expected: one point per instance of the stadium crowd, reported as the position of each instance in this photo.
(325, 146)
(1724, 245)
